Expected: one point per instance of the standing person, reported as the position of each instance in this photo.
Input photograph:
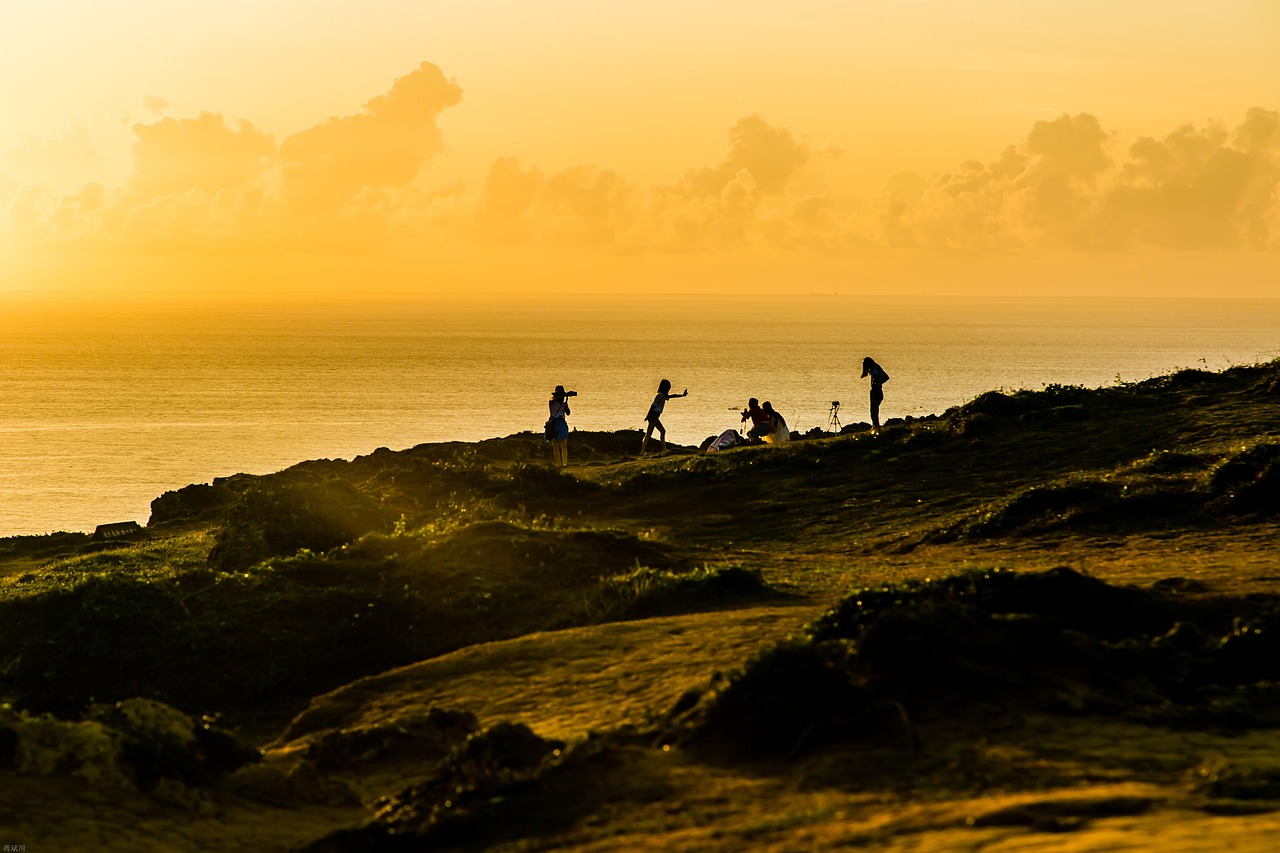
(778, 431)
(653, 418)
(878, 378)
(761, 423)
(559, 427)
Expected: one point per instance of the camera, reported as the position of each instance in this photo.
(571, 393)
(746, 414)
(835, 404)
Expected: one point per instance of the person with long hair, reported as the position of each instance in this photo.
(558, 427)
(878, 378)
(778, 431)
(654, 416)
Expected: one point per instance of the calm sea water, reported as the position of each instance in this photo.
(104, 410)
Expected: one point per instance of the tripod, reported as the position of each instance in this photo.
(833, 417)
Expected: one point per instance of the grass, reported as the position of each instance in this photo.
(260, 591)
(649, 592)
(959, 669)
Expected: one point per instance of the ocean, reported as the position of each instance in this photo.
(103, 409)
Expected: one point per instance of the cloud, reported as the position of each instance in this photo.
(201, 186)
(770, 155)
(357, 183)
(1197, 188)
(174, 156)
(583, 205)
(69, 161)
(155, 105)
(384, 146)
(758, 193)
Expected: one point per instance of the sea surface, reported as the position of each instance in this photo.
(104, 408)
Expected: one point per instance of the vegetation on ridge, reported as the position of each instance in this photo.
(332, 569)
(251, 596)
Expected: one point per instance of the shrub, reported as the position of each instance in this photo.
(279, 520)
(650, 592)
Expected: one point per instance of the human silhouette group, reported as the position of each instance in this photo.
(767, 424)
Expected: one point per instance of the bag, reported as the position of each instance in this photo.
(549, 430)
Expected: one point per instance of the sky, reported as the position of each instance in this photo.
(247, 148)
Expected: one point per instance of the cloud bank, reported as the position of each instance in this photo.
(201, 186)
(361, 183)
(1205, 188)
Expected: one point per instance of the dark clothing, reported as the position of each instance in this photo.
(878, 378)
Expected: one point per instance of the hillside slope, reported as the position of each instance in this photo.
(463, 615)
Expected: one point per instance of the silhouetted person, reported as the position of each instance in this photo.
(653, 418)
(878, 378)
(778, 431)
(761, 423)
(559, 408)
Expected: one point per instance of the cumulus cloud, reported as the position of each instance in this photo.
(200, 185)
(1202, 188)
(582, 205)
(754, 194)
(68, 161)
(351, 184)
(770, 155)
(1062, 187)
(384, 146)
(1197, 188)
(174, 156)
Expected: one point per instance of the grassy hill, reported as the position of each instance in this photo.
(1063, 555)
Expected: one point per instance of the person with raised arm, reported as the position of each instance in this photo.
(653, 418)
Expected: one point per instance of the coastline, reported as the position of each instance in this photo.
(99, 423)
(357, 630)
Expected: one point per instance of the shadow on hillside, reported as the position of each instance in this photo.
(866, 681)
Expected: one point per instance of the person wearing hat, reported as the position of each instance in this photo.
(558, 426)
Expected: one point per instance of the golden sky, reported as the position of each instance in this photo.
(285, 147)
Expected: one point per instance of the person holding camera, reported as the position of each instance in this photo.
(761, 423)
(558, 427)
(653, 418)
